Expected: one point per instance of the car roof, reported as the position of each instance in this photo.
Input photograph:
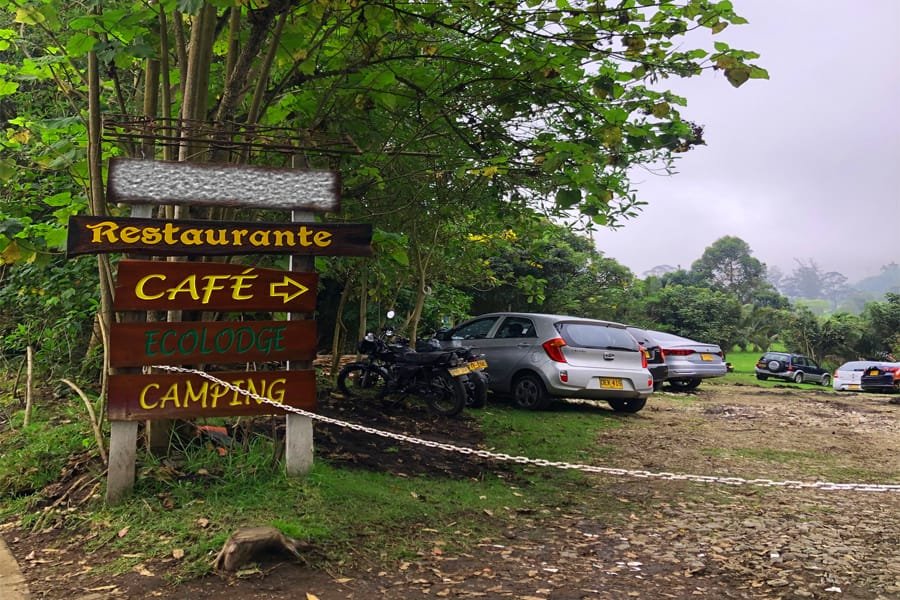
(671, 337)
(548, 316)
(869, 363)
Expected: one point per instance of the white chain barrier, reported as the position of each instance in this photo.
(524, 460)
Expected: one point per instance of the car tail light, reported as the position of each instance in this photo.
(644, 362)
(553, 348)
(564, 376)
(662, 354)
(679, 352)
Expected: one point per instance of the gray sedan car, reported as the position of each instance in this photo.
(538, 357)
(690, 361)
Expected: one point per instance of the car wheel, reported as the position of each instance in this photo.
(684, 385)
(798, 378)
(775, 366)
(630, 405)
(761, 377)
(826, 380)
(529, 393)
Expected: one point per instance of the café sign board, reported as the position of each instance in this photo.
(162, 285)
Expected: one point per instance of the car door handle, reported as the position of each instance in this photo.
(609, 356)
(523, 345)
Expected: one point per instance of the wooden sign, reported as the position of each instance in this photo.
(136, 181)
(161, 285)
(137, 344)
(183, 396)
(161, 237)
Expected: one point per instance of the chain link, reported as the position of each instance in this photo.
(540, 462)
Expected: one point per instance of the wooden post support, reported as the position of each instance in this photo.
(122, 455)
(123, 434)
(29, 385)
(298, 440)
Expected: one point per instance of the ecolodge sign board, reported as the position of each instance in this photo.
(160, 343)
(161, 237)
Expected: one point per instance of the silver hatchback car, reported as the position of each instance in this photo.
(538, 357)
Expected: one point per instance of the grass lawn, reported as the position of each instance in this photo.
(189, 503)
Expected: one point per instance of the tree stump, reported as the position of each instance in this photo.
(247, 543)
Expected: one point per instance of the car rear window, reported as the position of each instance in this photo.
(589, 335)
(775, 356)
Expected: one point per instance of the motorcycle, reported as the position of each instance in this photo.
(477, 379)
(392, 369)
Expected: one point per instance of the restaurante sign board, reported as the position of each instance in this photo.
(180, 343)
(134, 397)
(162, 285)
(182, 237)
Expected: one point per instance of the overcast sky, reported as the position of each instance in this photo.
(803, 166)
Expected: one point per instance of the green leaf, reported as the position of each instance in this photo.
(660, 109)
(80, 44)
(8, 88)
(615, 115)
(758, 73)
(738, 75)
(567, 198)
(719, 27)
(721, 46)
(28, 16)
(60, 199)
(190, 7)
(7, 169)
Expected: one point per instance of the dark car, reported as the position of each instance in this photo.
(884, 377)
(656, 359)
(791, 367)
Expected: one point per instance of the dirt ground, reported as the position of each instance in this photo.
(679, 539)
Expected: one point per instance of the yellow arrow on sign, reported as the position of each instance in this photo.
(288, 295)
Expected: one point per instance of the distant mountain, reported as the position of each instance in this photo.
(886, 281)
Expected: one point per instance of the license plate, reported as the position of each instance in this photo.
(610, 383)
(477, 365)
(874, 372)
(853, 386)
(706, 357)
(457, 371)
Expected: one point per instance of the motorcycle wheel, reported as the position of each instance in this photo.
(446, 395)
(362, 382)
(477, 388)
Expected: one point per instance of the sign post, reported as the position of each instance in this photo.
(148, 285)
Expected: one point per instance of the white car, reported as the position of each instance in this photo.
(847, 376)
